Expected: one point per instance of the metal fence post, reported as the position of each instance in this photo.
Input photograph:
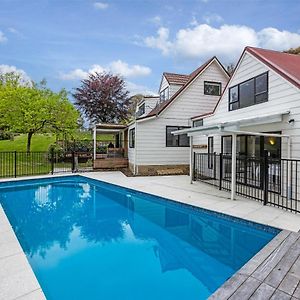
(194, 167)
(221, 171)
(73, 161)
(52, 161)
(266, 177)
(15, 164)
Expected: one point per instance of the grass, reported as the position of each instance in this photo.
(39, 142)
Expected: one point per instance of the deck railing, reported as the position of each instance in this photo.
(268, 180)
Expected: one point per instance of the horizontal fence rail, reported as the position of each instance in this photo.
(271, 181)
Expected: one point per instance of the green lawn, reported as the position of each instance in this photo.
(40, 142)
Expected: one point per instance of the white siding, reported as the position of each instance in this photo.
(164, 84)
(173, 89)
(150, 103)
(151, 134)
(283, 96)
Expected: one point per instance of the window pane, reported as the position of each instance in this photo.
(234, 106)
(261, 97)
(226, 145)
(184, 140)
(172, 140)
(132, 138)
(233, 94)
(198, 123)
(212, 88)
(247, 93)
(261, 83)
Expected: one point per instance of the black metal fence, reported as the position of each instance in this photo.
(15, 164)
(268, 180)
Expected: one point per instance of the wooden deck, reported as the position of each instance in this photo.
(110, 163)
(273, 273)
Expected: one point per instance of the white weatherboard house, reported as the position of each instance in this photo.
(152, 149)
(257, 116)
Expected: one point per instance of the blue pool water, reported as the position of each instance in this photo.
(91, 240)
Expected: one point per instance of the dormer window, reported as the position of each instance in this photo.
(141, 110)
(212, 88)
(164, 94)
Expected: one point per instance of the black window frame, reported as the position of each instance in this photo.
(255, 96)
(178, 136)
(214, 83)
(210, 151)
(132, 138)
(199, 121)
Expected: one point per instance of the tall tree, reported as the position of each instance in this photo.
(33, 109)
(103, 97)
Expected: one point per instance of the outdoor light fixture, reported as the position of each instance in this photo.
(272, 141)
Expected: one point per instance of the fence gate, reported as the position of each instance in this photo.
(268, 180)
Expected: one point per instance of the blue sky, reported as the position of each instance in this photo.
(62, 40)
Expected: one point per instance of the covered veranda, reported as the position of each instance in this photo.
(235, 129)
(110, 146)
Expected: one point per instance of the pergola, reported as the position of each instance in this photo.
(233, 128)
(114, 129)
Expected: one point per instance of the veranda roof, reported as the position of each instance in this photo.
(234, 126)
(109, 128)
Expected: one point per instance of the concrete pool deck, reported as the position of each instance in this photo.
(17, 280)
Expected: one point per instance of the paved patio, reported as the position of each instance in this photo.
(17, 280)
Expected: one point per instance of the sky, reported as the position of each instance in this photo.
(63, 40)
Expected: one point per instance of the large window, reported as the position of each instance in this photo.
(132, 138)
(250, 92)
(176, 140)
(164, 95)
(212, 88)
(198, 123)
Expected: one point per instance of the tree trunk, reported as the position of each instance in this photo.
(29, 136)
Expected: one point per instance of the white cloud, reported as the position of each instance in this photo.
(3, 38)
(101, 5)
(212, 18)
(13, 30)
(134, 89)
(227, 41)
(161, 41)
(122, 68)
(117, 67)
(156, 20)
(24, 78)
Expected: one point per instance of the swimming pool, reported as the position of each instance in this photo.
(87, 239)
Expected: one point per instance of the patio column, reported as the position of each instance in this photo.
(233, 167)
(191, 159)
(95, 141)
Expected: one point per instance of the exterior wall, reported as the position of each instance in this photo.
(151, 134)
(164, 84)
(173, 89)
(131, 151)
(283, 96)
(150, 103)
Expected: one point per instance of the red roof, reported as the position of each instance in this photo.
(176, 78)
(285, 64)
(161, 107)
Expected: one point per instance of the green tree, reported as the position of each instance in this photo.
(32, 109)
(293, 50)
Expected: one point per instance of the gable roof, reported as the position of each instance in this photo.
(162, 106)
(174, 78)
(285, 64)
